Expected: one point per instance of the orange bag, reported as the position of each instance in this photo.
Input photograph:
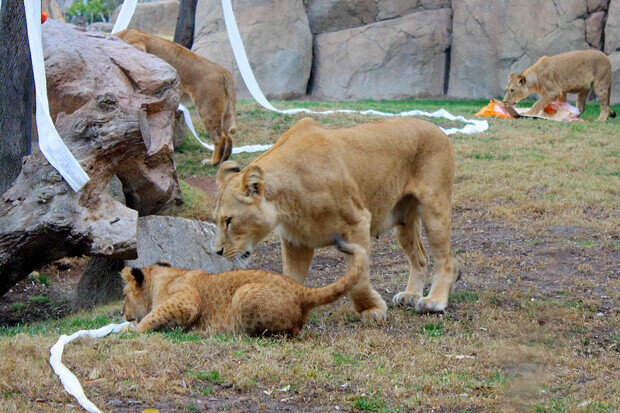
(494, 108)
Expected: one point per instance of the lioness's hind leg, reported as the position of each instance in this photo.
(410, 238)
(602, 90)
(436, 211)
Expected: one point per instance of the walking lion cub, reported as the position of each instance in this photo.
(250, 302)
(553, 77)
(210, 85)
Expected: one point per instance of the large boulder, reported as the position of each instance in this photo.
(277, 40)
(612, 47)
(83, 64)
(156, 17)
(492, 39)
(185, 243)
(403, 57)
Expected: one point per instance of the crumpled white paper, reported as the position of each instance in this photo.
(69, 381)
(50, 143)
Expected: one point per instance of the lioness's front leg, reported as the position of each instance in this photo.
(296, 260)
(366, 300)
(542, 103)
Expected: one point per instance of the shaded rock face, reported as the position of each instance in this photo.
(183, 242)
(492, 39)
(332, 15)
(81, 64)
(276, 37)
(156, 17)
(393, 59)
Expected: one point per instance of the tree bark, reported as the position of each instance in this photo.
(184, 30)
(16, 92)
(42, 219)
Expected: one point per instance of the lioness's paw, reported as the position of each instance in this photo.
(428, 305)
(405, 299)
(373, 315)
(128, 328)
(208, 162)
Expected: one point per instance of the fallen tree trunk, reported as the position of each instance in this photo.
(42, 219)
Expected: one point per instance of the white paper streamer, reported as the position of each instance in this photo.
(124, 16)
(69, 381)
(50, 143)
(473, 125)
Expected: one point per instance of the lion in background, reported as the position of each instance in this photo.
(210, 86)
(553, 77)
(250, 302)
(358, 182)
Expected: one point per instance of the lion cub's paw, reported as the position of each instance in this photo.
(428, 305)
(374, 315)
(208, 162)
(128, 328)
(405, 299)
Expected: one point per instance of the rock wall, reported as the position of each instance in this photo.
(386, 49)
(156, 17)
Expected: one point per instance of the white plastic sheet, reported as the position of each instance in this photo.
(50, 143)
(69, 381)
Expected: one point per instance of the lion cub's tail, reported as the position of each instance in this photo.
(315, 297)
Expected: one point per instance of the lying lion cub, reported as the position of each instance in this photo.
(209, 84)
(358, 182)
(245, 301)
(553, 77)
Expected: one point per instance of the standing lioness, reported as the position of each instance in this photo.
(358, 182)
(209, 84)
(553, 77)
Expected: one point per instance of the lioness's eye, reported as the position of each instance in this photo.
(228, 221)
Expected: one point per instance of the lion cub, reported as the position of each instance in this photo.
(246, 301)
(553, 77)
(210, 85)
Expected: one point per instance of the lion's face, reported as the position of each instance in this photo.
(242, 214)
(137, 301)
(516, 90)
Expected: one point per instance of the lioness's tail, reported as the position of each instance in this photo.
(315, 297)
(612, 114)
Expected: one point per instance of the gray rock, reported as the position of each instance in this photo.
(492, 39)
(278, 44)
(185, 243)
(156, 17)
(404, 57)
(594, 29)
(612, 28)
(389, 9)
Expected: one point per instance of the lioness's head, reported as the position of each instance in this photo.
(516, 90)
(138, 290)
(242, 214)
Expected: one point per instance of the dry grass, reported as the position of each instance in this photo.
(535, 315)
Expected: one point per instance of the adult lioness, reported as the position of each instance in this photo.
(209, 84)
(358, 182)
(244, 301)
(553, 77)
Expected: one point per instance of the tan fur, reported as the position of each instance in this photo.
(246, 301)
(553, 77)
(209, 84)
(358, 182)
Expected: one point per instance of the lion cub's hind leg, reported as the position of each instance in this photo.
(266, 308)
(408, 233)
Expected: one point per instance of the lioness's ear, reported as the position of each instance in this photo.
(253, 180)
(225, 170)
(521, 80)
